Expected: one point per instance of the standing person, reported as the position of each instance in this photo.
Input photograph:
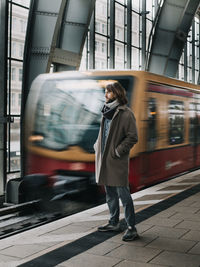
(116, 137)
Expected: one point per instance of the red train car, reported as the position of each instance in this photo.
(63, 117)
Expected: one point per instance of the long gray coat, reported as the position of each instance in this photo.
(110, 169)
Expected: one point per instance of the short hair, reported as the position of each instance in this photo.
(119, 91)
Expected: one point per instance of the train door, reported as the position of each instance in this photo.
(197, 131)
(198, 135)
(150, 162)
(194, 130)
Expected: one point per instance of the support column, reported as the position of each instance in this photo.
(92, 42)
(185, 62)
(198, 82)
(3, 90)
(193, 52)
(129, 32)
(112, 35)
(156, 5)
(143, 34)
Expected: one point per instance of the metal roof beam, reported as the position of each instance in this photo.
(173, 25)
(55, 37)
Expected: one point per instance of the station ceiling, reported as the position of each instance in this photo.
(57, 31)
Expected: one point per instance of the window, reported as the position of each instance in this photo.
(21, 50)
(103, 28)
(13, 100)
(14, 49)
(13, 74)
(119, 16)
(118, 13)
(135, 59)
(118, 33)
(103, 65)
(25, 3)
(192, 123)
(176, 122)
(97, 44)
(19, 99)
(22, 26)
(14, 24)
(97, 26)
(104, 9)
(20, 75)
(151, 129)
(118, 51)
(103, 47)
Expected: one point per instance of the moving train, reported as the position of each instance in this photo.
(63, 115)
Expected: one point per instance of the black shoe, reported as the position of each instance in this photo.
(130, 234)
(109, 227)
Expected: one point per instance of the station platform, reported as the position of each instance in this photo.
(168, 223)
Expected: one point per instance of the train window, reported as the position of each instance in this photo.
(68, 111)
(176, 122)
(151, 131)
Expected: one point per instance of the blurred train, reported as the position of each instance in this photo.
(63, 115)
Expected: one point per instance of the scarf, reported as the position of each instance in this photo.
(109, 109)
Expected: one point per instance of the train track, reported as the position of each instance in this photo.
(18, 218)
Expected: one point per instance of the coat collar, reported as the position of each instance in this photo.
(123, 107)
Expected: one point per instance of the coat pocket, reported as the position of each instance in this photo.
(114, 155)
(95, 146)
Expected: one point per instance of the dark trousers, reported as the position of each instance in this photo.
(113, 193)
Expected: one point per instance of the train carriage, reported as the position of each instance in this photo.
(63, 117)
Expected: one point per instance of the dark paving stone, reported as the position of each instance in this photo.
(156, 220)
(182, 209)
(153, 197)
(192, 235)
(86, 260)
(171, 244)
(186, 216)
(134, 253)
(196, 176)
(192, 180)
(177, 259)
(168, 232)
(195, 249)
(175, 187)
(126, 263)
(186, 224)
